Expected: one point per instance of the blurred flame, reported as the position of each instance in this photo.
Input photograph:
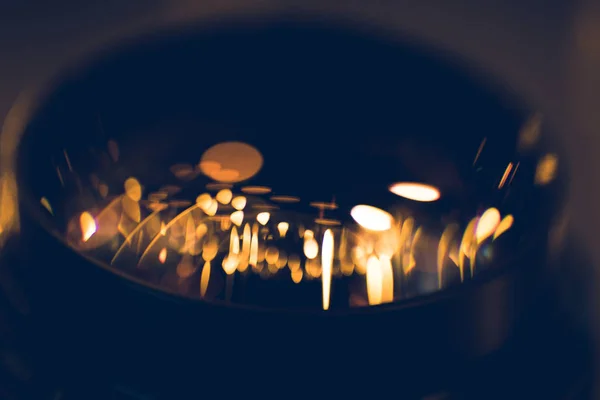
(263, 218)
(254, 246)
(293, 262)
(509, 167)
(224, 196)
(238, 203)
(87, 225)
(374, 280)
(311, 248)
(415, 191)
(272, 255)
(444, 249)
(204, 278)
(466, 247)
(387, 276)
(504, 225)
(282, 227)
(245, 255)
(234, 241)
(162, 256)
(487, 224)
(237, 217)
(133, 189)
(546, 169)
(297, 275)
(372, 218)
(44, 201)
(209, 250)
(326, 264)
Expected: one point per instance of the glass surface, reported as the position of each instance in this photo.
(289, 165)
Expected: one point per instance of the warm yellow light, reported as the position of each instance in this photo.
(374, 281)
(210, 250)
(546, 169)
(234, 242)
(387, 279)
(254, 246)
(237, 217)
(294, 262)
(162, 256)
(133, 189)
(311, 248)
(211, 210)
(204, 278)
(372, 218)
(487, 224)
(224, 196)
(272, 255)
(245, 255)
(87, 225)
(504, 225)
(415, 191)
(204, 201)
(263, 218)
(297, 275)
(239, 202)
(326, 265)
(230, 263)
(282, 227)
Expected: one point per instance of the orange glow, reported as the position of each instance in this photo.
(231, 162)
(466, 247)
(285, 199)
(372, 218)
(204, 201)
(326, 264)
(504, 225)
(254, 246)
(546, 169)
(327, 222)
(272, 255)
(87, 225)
(238, 203)
(224, 196)
(311, 248)
(256, 189)
(374, 281)
(234, 242)
(387, 277)
(44, 201)
(245, 255)
(204, 279)
(263, 218)
(162, 256)
(211, 210)
(209, 250)
(509, 168)
(237, 217)
(297, 275)
(487, 224)
(282, 227)
(323, 205)
(415, 191)
(294, 262)
(444, 249)
(133, 189)
(230, 263)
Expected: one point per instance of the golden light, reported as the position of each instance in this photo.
(204, 201)
(162, 256)
(444, 249)
(210, 250)
(133, 189)
(321, 205)
(211, 210)
(282, 227)
(87, 225)
(234, 242)
(204, 278)
(466, 246)
(487, 224)
(546, 169)
(224, 196)
(285, 199)
(230, 263)
(509, 168)
(372, 218)
(44, 201)
(238, 202)
(387, 277)
(272, 255)
(186, 267)
(327, 222)
(326, 265)
(504, 225)
(256, 189)
(415, 191)
(311, 248)
(297, 275)
(293, 262)
(263, 217)
(231, 162)
(254, 247)
(245, 255)
(374, 281)
(237, 217)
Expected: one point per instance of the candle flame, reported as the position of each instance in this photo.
(237, 217)
(254, 246)
(283, 227)
(204, 279)
(263, 218)
(326, 265)
(372, 218)
(504, 225)
(88, 226)
(488, 222)
(387, 279)
(162, 256)
(374, 281)
(239, 203)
